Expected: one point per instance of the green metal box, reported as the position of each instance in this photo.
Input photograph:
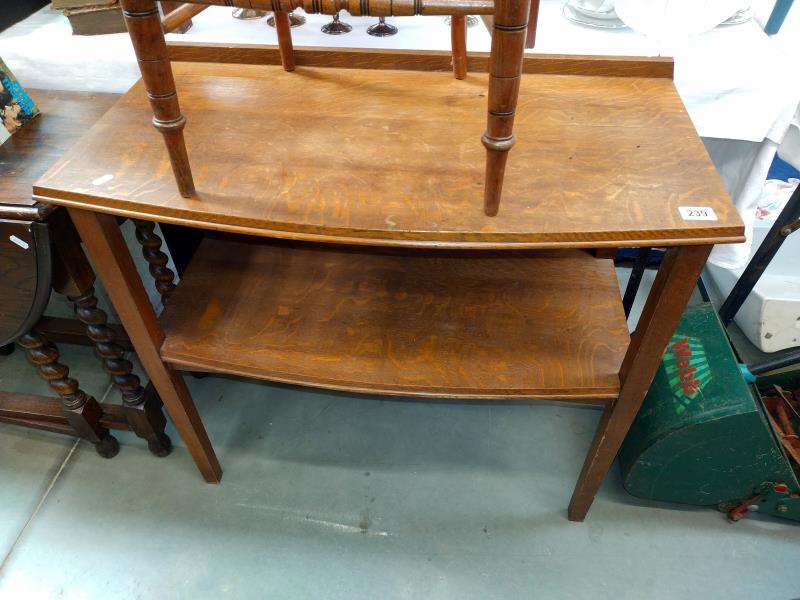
(702, 436)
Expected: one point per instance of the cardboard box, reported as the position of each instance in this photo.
(96, 20)
(62, 4)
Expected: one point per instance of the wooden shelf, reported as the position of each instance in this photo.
(394, 158)
(409, 322)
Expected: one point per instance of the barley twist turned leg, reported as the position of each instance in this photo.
(82, 411)
(156, 259)
(142, 407)
(144, 26)
(164, 276)
(505, 70)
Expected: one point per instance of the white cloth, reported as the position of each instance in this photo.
(789, 150)
(598, 5)
(743, 167)
(734, 80)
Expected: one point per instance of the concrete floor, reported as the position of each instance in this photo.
(331, 496)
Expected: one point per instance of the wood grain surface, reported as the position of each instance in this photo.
(420, 60)
(364, 156)
(65, 117)
(25, 275)
(409, 322)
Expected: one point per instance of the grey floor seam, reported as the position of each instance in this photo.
(38, 506)
(47, 491)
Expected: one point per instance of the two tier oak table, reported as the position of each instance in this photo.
(350, 249)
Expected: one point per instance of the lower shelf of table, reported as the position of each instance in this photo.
(508, 325)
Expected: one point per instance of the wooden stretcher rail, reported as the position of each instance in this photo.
(40, 412)
(180, 15)
(417, 60)
(382, 8)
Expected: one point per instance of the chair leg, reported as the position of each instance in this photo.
(82, 411)
(142, 410)
(167, 7)
(284, 29)
(505, 69)
(144, 25)
(635, 280)
(533, 19)
(458, 43)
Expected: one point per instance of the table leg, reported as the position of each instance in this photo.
(142, 408)
(74, 278)
(671, 291)
(156, 259)
(82, 410)
(106, 247)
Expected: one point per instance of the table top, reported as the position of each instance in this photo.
(65, 117)
(394, 158)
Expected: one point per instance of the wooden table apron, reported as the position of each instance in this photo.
(598, 185)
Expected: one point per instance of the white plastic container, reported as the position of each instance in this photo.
(770, 317)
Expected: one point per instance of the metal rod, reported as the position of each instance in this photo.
(773, 364)
(761, 259)
(635, 280)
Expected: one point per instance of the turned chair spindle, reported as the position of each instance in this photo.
(510, 27)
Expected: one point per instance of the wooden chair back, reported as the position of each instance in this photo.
(510, 20)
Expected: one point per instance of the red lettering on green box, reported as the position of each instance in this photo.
(687, 368)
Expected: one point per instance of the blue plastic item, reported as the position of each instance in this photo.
(778, 16)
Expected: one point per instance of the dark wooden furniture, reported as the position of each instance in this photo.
(509, 22)
(39, 252)
(363, 266)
